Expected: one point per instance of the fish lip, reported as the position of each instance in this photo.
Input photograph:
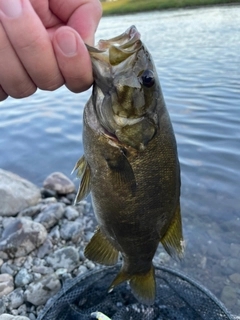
(124, 45)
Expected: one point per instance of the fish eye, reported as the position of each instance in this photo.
(148, 78)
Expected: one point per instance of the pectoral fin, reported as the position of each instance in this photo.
(84, 172)
(80, 165)
(100, 250)
(122, 171)
(173, 241)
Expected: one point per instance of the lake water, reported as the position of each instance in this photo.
(197, 54)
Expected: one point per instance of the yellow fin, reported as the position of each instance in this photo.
(84, 187)
(80, 165)
(100, 250)
(173, 241)
(143, 285)
(121, 277)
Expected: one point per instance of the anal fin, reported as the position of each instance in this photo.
(100, 250)
(173, 241)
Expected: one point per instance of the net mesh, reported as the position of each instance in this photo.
(177, 298)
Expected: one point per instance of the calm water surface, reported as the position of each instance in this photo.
(197, 54)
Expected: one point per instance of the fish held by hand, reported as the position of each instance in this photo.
(130, 164)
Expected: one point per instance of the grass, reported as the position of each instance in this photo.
(130, 6)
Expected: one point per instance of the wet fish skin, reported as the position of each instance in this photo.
(130, 164)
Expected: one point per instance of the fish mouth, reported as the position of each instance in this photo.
(117, 49)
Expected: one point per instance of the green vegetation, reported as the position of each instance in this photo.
(130, 6)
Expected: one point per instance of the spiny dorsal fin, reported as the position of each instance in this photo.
(143, 285)
(173, 241)
(100, 250)
(84, 187)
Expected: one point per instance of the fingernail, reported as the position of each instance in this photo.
(11, 8)
(67, 42)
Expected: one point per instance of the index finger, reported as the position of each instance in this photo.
(31, 43)
(81, 15)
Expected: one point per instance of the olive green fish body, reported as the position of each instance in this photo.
(131, 167)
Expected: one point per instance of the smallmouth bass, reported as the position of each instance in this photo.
(130, 164)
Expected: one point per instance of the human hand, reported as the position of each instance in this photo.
(42, 45)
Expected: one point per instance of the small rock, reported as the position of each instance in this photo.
(3, 255)
(18, 262)
(9, 268)
(71, 213)
(48, 201)
(16, 193)
(67, 257)
(42, 269)
(235, 250)
(65, 200)
(212, 250)
(55, 233)
(21, 237)
(234, 264)
(39, 292)
(82, 269)
(23, 277)
(71, 197)
(22, 310)
(31, 211)
(71, 230)
(229, 295)
(50, 216)
(6, 284)
(57, 181)
(2, 306)
(15, 298)
(90, 265)
(47, 193)
(6, 316)
(28, 262)
(36, 276)
(235, 278)
(61, 271)
(45, 248)
(88, 236)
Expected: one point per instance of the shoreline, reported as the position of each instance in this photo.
(42, 248)
(115, 10)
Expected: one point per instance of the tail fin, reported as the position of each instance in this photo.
(143, 285)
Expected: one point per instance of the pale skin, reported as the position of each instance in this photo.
(42, 45)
